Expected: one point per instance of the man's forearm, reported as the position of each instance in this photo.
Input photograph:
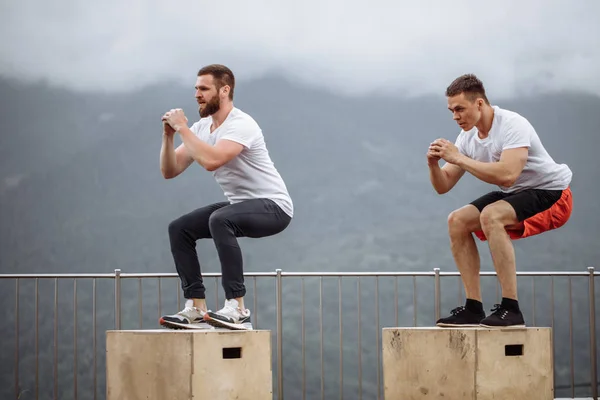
(494, 173)
(168, 160)
(438, 179)
(201, 152)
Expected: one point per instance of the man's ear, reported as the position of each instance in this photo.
(225, 90)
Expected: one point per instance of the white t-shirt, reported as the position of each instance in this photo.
(510, 130)
(252, 174)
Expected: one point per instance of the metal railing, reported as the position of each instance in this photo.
(284, 314)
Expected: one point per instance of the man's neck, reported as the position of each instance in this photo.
(485, 122)
(220, 116)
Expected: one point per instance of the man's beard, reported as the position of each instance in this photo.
(210, 108)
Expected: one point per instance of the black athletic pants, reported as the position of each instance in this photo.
(224, 223)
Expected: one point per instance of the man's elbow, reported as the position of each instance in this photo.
(509, 180)
(440, 190)
(212, 165)
(168, 175)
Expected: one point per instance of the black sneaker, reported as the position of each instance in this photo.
(461, 316)
(502, 317)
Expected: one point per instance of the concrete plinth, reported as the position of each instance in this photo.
(188, 364)
(469, 364)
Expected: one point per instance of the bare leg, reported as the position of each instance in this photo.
(494, 220)
(240, 301)
(200, 304)
(461, 224)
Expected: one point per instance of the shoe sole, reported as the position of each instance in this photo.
(521, 326)
(181, 326)
(217, 323)
(444, 325)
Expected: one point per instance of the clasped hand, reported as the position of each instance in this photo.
(174, 120)
(443, 149)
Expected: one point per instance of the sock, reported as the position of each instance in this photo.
(474, 306)
(510, 304)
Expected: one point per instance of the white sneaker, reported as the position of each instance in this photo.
(231, 316)
(188, 318)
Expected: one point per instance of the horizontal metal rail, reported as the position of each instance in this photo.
(324, 337)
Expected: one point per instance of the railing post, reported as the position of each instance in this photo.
(437, 293)
(593, 354)
(279, 337)
(117, 299)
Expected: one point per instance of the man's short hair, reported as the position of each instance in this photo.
(468, 84)
(222, 76)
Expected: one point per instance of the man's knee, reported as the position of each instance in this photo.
(218, 219)
(488, 217)
(175, 227)
(464, 219)
(179, 226)
(499, 213)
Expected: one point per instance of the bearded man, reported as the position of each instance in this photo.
(229, 143)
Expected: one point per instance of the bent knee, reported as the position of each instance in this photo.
(455, 219)
(464, 219)
(175, 227)
(216, 219)
(492, 215)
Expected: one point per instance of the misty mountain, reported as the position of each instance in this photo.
(73, 162)
(81, 191)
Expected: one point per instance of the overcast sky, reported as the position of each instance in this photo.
(350, 46)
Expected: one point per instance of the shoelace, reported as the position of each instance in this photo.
(457, 310)
(227, 308)
(499, 311)
(187, 310)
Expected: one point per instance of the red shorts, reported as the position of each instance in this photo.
(549, 218)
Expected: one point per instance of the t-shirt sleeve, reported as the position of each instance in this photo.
(241, 132)
(517, 134)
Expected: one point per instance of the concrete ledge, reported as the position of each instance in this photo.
(468, 363)
(181, 365)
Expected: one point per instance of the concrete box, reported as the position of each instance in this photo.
(467, 363)
(188, 364)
